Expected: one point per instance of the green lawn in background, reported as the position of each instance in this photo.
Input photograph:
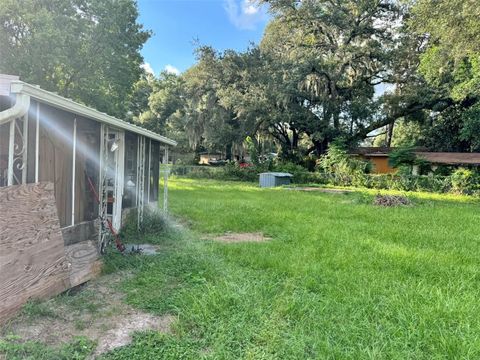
(340, 279)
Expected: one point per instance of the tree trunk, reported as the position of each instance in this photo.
(388, 140)
(228, 151)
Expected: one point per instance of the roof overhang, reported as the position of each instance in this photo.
(450, 158)
(55, 100)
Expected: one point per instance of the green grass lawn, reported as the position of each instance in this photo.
(339, 279)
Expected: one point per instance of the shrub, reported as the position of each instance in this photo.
(338, 161)
(403, 156)
(300, 174)
(154, 222)
(461, 181)
(464, 181)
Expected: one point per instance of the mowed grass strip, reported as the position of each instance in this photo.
(339, 279)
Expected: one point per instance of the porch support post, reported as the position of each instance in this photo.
(74, 159)
(11, 150)
(37, 138)
(137, 185)
(25, 149)
(165, 181)
(149, 166)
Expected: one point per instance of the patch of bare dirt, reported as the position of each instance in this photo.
(391, 200)
(241, 237)
(121, 334)
(96, 311)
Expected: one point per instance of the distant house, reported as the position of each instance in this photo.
(210, 158)
(378, 156)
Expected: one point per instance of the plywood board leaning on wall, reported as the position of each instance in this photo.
(32, 254)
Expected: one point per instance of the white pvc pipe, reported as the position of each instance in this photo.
(74, 159)
(37, 144)
(25, 149)
(165, 181)
(11, 150)
(20, 108)
(137, 172)
(149, 165)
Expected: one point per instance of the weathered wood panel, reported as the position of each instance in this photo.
(87, 230)
(84, 262)
(56, 157)
(32, 254)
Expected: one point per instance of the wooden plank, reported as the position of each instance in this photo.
(32, 254)
(87, 230)
(56, 157)
(84, 262)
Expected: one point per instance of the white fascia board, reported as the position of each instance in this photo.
(47, 97)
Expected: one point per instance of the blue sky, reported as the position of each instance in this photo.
(223, 24)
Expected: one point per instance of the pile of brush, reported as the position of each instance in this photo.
(391, 200)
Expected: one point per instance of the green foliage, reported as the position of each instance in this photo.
(405, 133)
(300, 174)
(35, 308)
(404, 159)
(402, 182)
(154, 223)
(301, 87)
(85, 50)
(446, 131)
(332, 260)
(451, 59)
(234, 172)
(78, 349)
(349, 175)
(154, 345)
(402, 156)
(252, 150)
(470, 132)
(464, 181)
(338, 161)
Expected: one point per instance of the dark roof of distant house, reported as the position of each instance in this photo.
(378, 150)
(446, 158)
(367, 150)
(450, 158)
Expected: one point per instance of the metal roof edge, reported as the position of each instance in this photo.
(60, 102)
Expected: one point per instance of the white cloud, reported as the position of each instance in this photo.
(249, 8)
(244, 14)
(172, 69)
(148, 68)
